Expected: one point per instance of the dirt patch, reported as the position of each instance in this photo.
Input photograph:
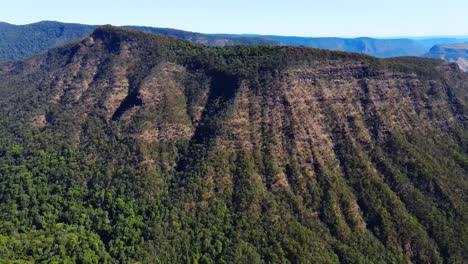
(39, 121)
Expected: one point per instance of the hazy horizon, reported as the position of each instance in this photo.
(334, 18)
(255, 34)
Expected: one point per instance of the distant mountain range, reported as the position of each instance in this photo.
(18, 42)
(22, 41)
(378, 47)
(453, 53)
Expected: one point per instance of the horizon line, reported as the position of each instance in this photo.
(411, 37)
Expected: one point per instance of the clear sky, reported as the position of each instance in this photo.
(350, 18)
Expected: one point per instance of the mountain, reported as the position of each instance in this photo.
(378, 47)
(19, 42)
(128, 146)
(429, 42)
(453, 53)
(207, 39)
(371, 46)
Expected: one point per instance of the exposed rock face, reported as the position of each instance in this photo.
(457, 53)
(322, 151)
(39, 121)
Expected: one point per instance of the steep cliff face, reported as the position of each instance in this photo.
(259, 154)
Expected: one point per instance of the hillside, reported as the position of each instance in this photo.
(19, 42)
(128, 146)
(453, 53)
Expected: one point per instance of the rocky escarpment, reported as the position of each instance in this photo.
(260, 154)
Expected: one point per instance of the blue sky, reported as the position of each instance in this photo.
(350, 18)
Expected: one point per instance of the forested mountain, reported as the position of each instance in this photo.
(128, 146)
(453, 53)
(19, 42)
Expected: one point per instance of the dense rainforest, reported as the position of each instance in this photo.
(129, 147)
